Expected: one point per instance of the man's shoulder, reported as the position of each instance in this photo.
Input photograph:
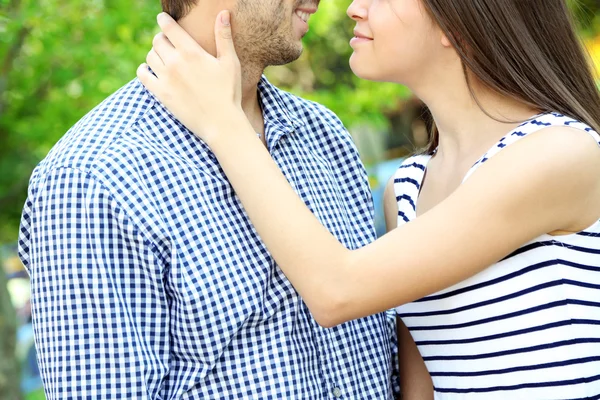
(98, 136)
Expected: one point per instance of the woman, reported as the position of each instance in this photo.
(494, 266)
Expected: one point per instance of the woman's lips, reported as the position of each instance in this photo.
(359, 38)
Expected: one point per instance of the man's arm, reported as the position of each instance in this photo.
(100, 311)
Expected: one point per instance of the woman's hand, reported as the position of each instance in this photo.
(202, 91)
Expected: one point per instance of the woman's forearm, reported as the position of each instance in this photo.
(311, 257)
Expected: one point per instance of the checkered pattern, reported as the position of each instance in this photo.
(149, 281)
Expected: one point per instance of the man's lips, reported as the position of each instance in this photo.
(304, 13)
(309, 10)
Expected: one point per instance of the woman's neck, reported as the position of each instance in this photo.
(463, 125)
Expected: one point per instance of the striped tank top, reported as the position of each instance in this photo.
(527, 327)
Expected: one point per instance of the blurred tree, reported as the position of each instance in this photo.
(58, 59)
(587, 15)
(9, 368)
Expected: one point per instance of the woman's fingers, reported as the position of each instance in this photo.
(223, 36)
(155, 63)
(200, 90)
(226, 53)
(148, 79)
(164, 48)
(177, 36)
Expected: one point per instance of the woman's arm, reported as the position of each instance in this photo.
(415, 382)
(530, 188)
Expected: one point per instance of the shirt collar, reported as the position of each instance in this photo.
(280, 119)
(277, 111)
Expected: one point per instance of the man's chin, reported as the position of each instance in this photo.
(287, 56)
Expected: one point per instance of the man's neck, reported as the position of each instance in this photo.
(250, 101)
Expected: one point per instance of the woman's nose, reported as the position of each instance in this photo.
(357, 10)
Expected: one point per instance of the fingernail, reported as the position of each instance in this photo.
(225, 18)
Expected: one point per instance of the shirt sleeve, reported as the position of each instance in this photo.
(100, 310)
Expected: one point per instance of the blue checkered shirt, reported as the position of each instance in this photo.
(150, 282)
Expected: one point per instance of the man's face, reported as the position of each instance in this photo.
(269, 32)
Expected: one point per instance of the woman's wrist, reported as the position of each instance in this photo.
(229, 127)
(220, 127)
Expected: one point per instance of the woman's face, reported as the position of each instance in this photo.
(395, 41)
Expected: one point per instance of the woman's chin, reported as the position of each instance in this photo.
(360, 69)
(367, 70)
(364, 73)
(364, 69)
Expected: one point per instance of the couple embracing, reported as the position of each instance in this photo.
(202, 234)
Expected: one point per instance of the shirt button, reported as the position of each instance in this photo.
(337, 392)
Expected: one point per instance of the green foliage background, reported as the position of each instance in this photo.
(59, 58)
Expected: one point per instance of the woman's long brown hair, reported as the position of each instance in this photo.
(524, 49)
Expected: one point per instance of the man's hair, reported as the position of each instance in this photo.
(177, 8)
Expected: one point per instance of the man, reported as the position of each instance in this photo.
(148, 279)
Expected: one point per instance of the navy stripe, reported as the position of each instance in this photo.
(408, 180)
(517, 369)
(522, 386)
(404, 217)
(530, 349)
(502, 298)
(508, 277)
(407, 198)
(590, 234)
(595, 397)
(509, 334)
(507, 316)
(530, 247)
(539, 123)
(537, 245)
(415, 164)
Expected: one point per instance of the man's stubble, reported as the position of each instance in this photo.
(266, 37)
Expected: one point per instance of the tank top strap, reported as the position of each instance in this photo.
(407, 186)
(533, 125)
